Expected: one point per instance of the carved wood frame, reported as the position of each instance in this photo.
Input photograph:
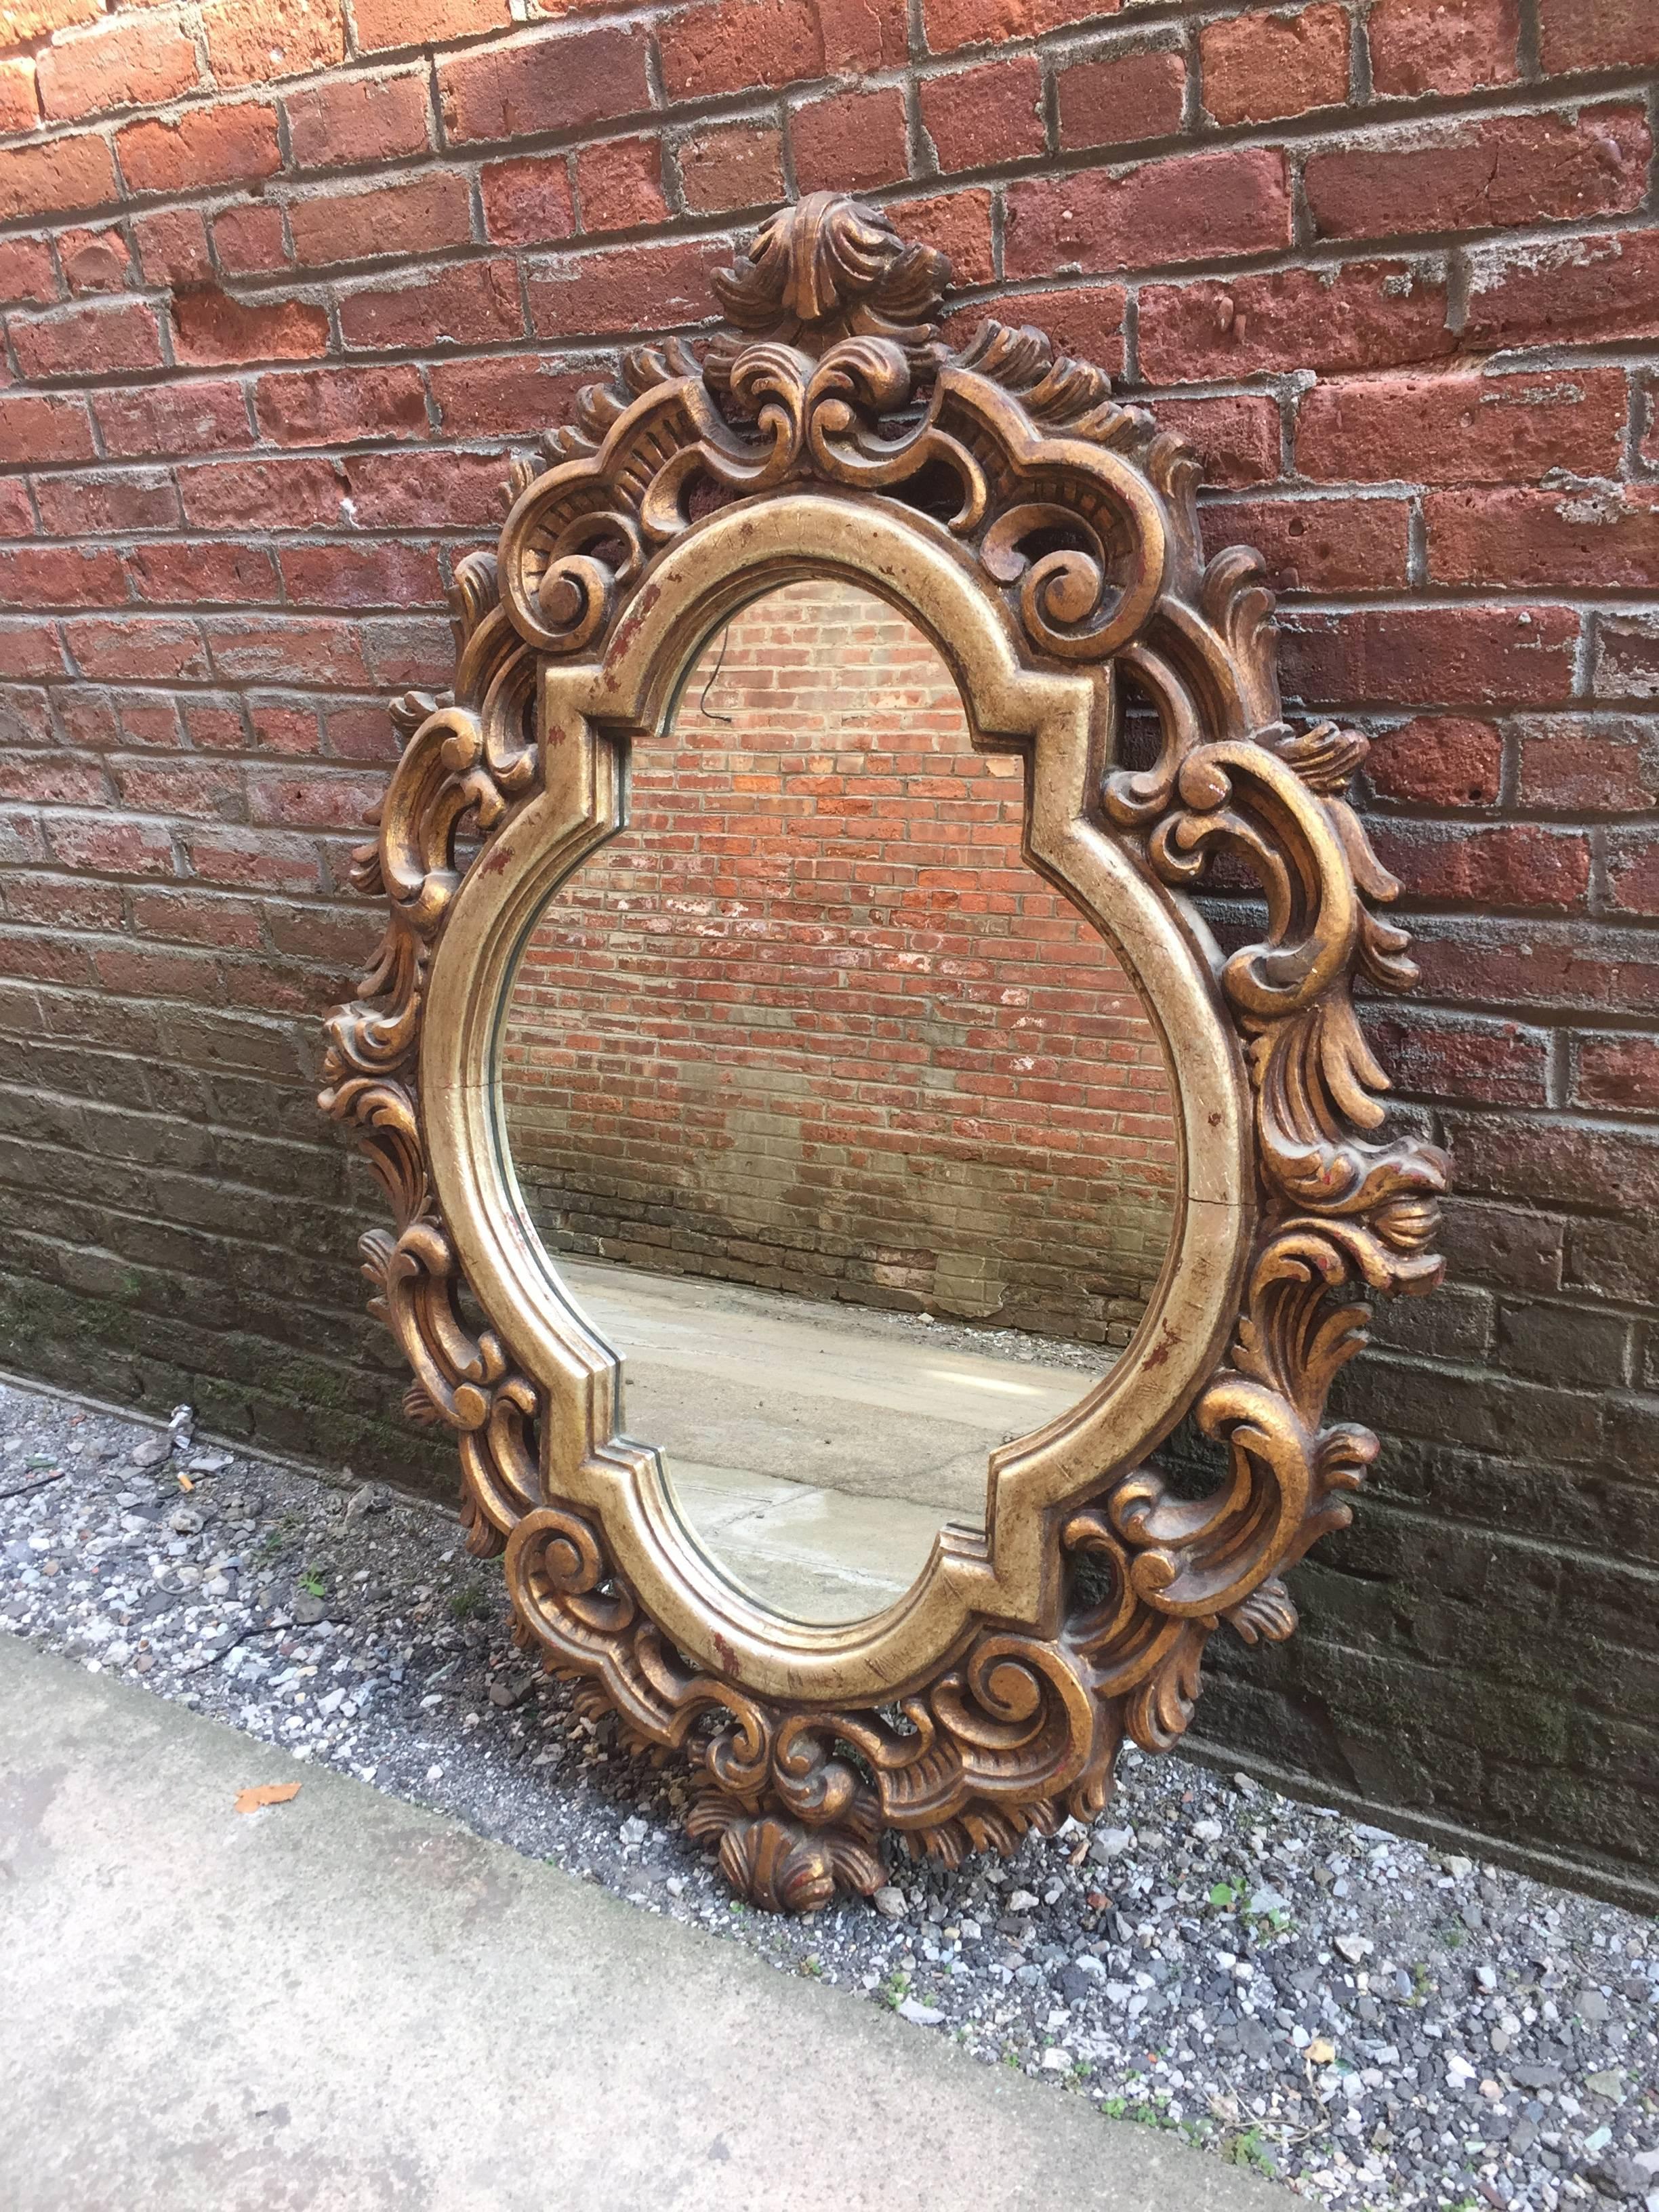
(1046, 537)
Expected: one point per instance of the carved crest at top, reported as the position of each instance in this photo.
(825, 270)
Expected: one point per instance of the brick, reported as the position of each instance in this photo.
(528, 203)
(1612, 1171)
(736, 45)
(382, 24)
(311, 799)
(197, 417)
(516, 396)
(1592, 34)
(950, 25)
(1462, 429)
(191, 918)
(1085, 320)
(1563, 1344)
(623, 289)
(1491, 174)
(348, 120)
(254, 41)
(91, 341)
(26, 271)
(253, 859)
(211, 329)
(60, 576)
(34, 19)
(1503, 865)
(1578, 765)
(1319, 546)
(1259, 66)
(407, 649)
(1189, 207)
(427, 490)
(619, 184)
(1441, 47)
(1363, 315)
(29, 647)
(1627, 665)
(1236, 436)
(1602, 539)
(233, 144)
(1620, 1073)
(139, 61)
(264, 495)
(136, 649)
(57, 178)
(958, 224)
(20, 103)
(1632, 865)
(1615, 1259)
(1437, 760)
(172, 244)
(978, 118)
(1462, 1057)
(338, 406)
(401, 216)
(111, 848)
(734, 165)
(16, 517)
(547, 83)
(469, 303)
(201, 570)
(38, 426)
(385, 576)
(851, 141)
(1592, 288)
(94, 261)
(1461, 655)
(288, 649)
(1117, 97)
(102, 502)
(251, 240)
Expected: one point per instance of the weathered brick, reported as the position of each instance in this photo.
(1576, 765)
(172, 244)
(1463, 655)
(94, 261)
(203, 571)
(1592, 288)
(553, 82)
(136, 649)
(264, 495)
(1627, 664)
(619, 184)
(1617, 1071)
(516, 395)
(396, 215)
(1085, 320)
(975, 118)
(348, 120)
(951, 24)
(251, 239)
(1591, 34)
(733, 165)
(20, 100)
(210, 329)
(1118, 95)
(1492, 174)
(60, 576)
(1557, 1161)
(467, 303)
(382, 24)
(1186, 207)
(1633, 864)
(1443, 45)
(139, 61)
(1437, 760)
(1462, 429)
(734, 45)
(851, 141)
(57, 178)
(338, 406)
(44, 426)
(528, 203)
(1319, 544)
(201, 416)
(1593, 537)
(266, 648)
(1364, 315)
(590, 294)
(1462, 1057)
(255, 41)
(385, 576)
(93, 341)
(1261, 65)
(27, 273)
(101, 502)
(232, 144)
(958, 224)
(1502, 864)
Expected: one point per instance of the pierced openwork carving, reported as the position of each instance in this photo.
(1047, 537)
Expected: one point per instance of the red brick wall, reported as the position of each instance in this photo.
(279, 293)
(813, 1022)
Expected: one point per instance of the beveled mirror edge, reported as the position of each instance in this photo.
(830, 372)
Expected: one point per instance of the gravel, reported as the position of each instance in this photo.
(1377, 2022)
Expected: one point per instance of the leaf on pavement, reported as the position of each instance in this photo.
(265, 1793)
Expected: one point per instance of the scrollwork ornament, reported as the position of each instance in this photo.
(1075, 519)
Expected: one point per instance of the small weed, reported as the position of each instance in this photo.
(1248, 2148)
(814, 1968)
(895, 1989)
(1225, 1896)
(1453, 1937)
(312, 1582)
(465, 1601)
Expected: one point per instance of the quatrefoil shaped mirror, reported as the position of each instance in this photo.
(883, 1261)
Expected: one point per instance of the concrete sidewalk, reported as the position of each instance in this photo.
(342, 2004)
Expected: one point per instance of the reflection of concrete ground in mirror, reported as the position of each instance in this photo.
(815, 1453)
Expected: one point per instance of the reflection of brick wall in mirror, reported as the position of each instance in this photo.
(811, 1022)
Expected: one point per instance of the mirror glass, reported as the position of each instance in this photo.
(842, 1128)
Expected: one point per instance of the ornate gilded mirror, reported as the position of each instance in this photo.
(831, 1158)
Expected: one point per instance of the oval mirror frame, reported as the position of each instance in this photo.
(1045, 538)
